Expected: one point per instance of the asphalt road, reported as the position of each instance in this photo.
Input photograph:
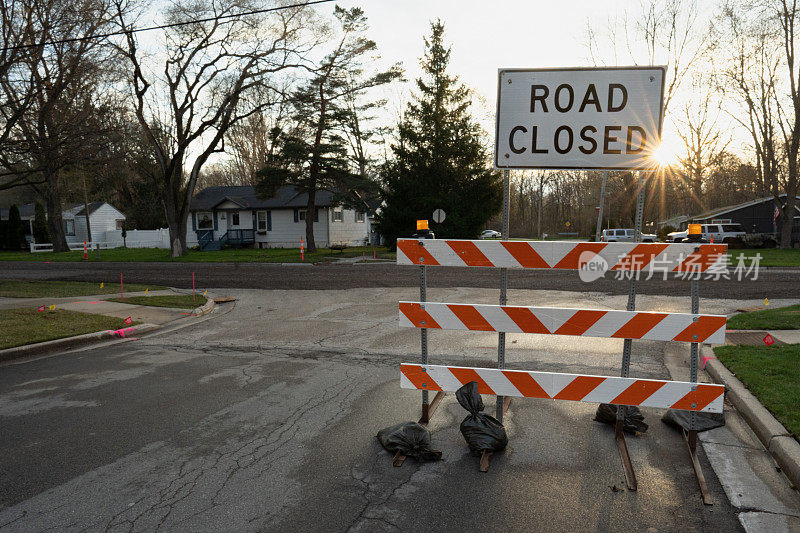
(784, 283)
(217, 427)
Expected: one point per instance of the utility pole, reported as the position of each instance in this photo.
(86, 210)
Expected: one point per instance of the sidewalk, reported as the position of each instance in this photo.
(97, 305)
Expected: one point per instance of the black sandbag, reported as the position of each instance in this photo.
(703, 421)
(410, 439)
(632, 423)
(483, 432)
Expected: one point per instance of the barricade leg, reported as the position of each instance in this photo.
(691, 435)
(428, 408)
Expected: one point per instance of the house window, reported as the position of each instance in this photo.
(360, 217)
(301, 214)
(262, 220)
(338, 216)
(69, 227)
(119, 223)
(205, 221)
(235, 218)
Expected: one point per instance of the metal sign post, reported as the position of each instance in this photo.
(502, 403)
(599, 229)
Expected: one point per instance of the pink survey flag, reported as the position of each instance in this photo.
(129, 321)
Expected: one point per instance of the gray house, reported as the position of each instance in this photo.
(236, 216)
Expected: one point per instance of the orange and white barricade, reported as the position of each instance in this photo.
(694, 328)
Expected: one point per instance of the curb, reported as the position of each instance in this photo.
(775, 438)
(68, 342)
(204, 309)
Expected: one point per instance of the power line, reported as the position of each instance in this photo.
(165, 26)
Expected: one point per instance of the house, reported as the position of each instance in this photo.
(103, 217)
(755, 216)
(237, 216)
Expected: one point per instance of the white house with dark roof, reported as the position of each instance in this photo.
(236, 216)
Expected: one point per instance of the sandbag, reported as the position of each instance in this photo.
(703, 421)
(410, 439)
(632, 423)
(483, 432)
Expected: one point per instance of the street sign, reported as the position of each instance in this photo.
(582, 118)
(439, 216)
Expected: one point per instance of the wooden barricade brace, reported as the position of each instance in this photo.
(694, 328)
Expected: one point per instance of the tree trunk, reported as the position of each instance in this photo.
(53, 205)
(788, 216)
(311, 208)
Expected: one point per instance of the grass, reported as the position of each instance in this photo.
(772, 373)
(28, 326)
(770, 257)
(231, 255)
(181, 301)
(61, 289)
(778, 318)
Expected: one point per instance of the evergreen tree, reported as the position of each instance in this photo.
(313, 155)
(40, 232)
(439, 161)
(15, 231)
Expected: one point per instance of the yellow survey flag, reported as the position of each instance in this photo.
(766, 301)
(145, 291)
(52, 307)
(204, 292)
(101, 284)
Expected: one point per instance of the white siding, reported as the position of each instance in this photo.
(348, 231)
(102, 220)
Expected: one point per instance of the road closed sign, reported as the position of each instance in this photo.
(581, 118)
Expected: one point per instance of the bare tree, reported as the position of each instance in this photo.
(661, 32)
(703, 139)
(55, 91)
(215, 65)
(759, 40)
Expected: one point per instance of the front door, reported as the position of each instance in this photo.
(222, 224)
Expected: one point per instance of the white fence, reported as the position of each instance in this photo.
(157, 238)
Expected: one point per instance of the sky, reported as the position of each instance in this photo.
(486, 36)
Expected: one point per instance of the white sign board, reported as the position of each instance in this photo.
(439, 216)
(582, 118)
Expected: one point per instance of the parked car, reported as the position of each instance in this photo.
(624, 235)
(731, 234)
(490, 234)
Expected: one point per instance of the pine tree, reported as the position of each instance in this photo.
(439, 161)
(313, 155)
(15, 231)
(40, 232)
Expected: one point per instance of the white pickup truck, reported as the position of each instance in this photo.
(624, 235)
(729, 233)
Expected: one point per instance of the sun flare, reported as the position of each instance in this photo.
(665, 155)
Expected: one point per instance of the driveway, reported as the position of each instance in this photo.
(263, 416)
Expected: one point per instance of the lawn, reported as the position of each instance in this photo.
(772, 373)
(770, 257)
(778, 318)
(231, 255)
(181, 301)
(27, 326)
(62, 289)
